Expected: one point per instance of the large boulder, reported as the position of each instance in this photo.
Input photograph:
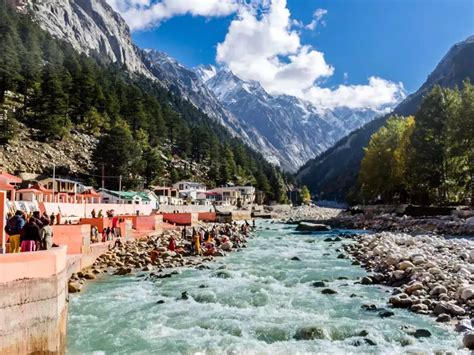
(312, 227)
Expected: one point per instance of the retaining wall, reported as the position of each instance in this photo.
(83, 210)
(207, 216)
(33, 307)
(181, 219)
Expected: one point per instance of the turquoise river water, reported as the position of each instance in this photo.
(254, 302)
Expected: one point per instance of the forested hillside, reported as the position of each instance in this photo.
(140, 126)
(428, 158)
(333, 174)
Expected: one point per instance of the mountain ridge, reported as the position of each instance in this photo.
(332, 174)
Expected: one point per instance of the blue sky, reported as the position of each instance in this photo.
(394, 40)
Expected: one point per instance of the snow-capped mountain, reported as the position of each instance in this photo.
(286, 130)
(293, 130)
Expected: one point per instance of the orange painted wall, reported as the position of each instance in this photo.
(3, 210)
(145, 223)
(75, 236)
(181, 219)
(39, 264)
(207, 216)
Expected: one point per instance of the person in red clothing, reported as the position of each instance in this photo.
(172, 244)
(115, 226)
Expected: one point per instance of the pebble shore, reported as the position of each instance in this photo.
(137, 256)
(431, 275)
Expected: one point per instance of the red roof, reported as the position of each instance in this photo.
(91, 192)
(10, 178)
(5, 187)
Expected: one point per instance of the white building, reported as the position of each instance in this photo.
(189, 190)
(130, 197)
(167, 196)
(234, 195)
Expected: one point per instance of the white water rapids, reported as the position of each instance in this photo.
(251, 302)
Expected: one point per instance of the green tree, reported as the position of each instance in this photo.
(429, 151)
(51, 112)
(461, 146)
(9, 128)
(94, 122)
(304, 195)
(9, 49)
(117, 151)
(383, 169)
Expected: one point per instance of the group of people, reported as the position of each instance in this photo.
(30, 232)
(206, 241)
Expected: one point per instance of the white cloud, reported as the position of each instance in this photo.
(142, 14)
(262, 44)
(264, 47)
(317, 19)
(375, 95)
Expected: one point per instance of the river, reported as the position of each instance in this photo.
(251, 302)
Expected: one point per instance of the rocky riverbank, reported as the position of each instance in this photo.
(305, 213)
(152, 255)
(454, 224)
(432, 275)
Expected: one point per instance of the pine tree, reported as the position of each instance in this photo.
(51, 117)
(9, 48)
(428, 160)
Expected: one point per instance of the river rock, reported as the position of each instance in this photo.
(295, 258)
(455, 310)
(89, 276)
(366, 280)
(443, 318)
(74, 287)
(441, 308)
(419, 307)
(312, 227)
(464, 325)
(398, 274)
(438, 290)
(123, 271)
(401, 301)
(310, 333)
(319, 284)
(422, 333)
(328, 291)
(414, 287)
(405, 265)
(466, 293)
(386, 313)
(468, 340)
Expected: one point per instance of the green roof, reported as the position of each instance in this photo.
(128, 195)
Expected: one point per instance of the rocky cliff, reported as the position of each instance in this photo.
(91, 26)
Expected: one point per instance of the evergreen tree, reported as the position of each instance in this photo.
(51, 112)
(428, 160)
(117, 151)
(9, 48)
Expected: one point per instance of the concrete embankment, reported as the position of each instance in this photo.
(33, 305)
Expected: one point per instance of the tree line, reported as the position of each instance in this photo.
(140, 126)
(427, 158)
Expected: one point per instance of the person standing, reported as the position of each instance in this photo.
(93, 213)
(30, 237)
(46, 235)
(14, 228)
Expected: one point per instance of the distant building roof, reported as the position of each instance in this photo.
(5, 186)
(11, 179)
(127, 195)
